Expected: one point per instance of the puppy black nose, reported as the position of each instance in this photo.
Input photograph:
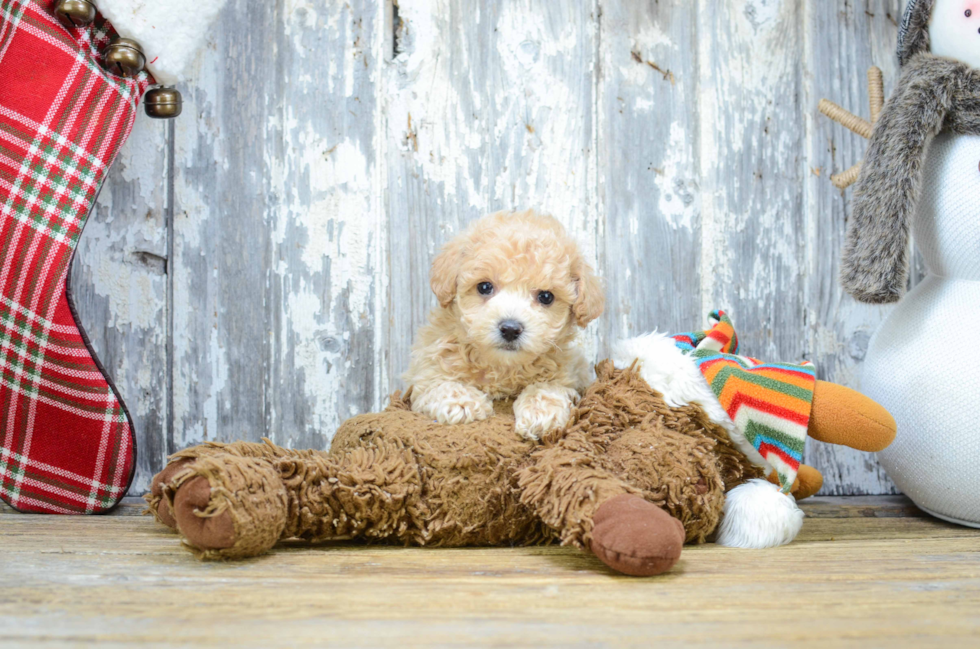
(510, 330)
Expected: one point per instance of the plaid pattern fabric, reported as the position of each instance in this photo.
(769, 402)
(66, 440)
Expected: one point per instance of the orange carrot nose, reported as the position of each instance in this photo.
(840, 415)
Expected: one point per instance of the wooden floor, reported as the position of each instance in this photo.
(864, 572)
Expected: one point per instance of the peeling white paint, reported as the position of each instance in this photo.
(216, 400)
(317, 366)
(762, 13)
(140, 160)
(679, 196)
(134, 297)
(540, 131)
(480, 111)
(111, 265)
(428, 75)
(337, 220)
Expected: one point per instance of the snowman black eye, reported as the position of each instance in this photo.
(969, 12)
(546, 297)
(484, 288)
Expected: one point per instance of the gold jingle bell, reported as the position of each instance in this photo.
(162, 103)
(74, 13)
(123, 57)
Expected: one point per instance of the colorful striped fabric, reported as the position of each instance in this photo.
(769, 402)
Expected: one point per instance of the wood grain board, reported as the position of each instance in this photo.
(864, 572)
(259, 267)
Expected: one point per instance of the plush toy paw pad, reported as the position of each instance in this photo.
(212, 532)
(636, 537)
(163, 513)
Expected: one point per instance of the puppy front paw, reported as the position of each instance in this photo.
(543, 408)
(453, 403)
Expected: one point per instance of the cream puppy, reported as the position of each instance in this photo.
(513, 292)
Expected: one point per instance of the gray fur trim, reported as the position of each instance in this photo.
(933, 94)
(913, 33)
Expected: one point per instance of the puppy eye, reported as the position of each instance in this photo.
(484, 288)
(546, 297)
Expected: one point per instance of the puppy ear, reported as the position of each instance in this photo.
(445, 272)
(589, 300)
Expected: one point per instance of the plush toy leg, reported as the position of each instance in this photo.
(217, 529)
(808, 482)
(566, 492)
(237, 500)
(160, 507)
(228, 507)
(840, 415)
(593, 507)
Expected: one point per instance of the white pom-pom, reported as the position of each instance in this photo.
(759, 515)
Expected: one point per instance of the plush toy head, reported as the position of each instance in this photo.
(517, 284)
(947, 28)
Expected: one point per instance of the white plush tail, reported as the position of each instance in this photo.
(759, 515)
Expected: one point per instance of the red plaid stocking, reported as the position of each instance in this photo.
(66, 440)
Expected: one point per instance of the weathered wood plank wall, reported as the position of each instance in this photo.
(259, 267)
(840, 45)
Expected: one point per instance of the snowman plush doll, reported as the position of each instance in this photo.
(922, 176)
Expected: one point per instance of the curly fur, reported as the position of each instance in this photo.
(397, 476)
(460, 363)
(625, 439)
(933, 94)
(675, 375)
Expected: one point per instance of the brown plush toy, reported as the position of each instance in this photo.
(631, 477)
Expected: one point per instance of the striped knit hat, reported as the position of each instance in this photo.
(769, 403)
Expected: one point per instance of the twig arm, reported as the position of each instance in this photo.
(846, 118)
(876, 92)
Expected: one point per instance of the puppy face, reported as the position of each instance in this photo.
(518, 285)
